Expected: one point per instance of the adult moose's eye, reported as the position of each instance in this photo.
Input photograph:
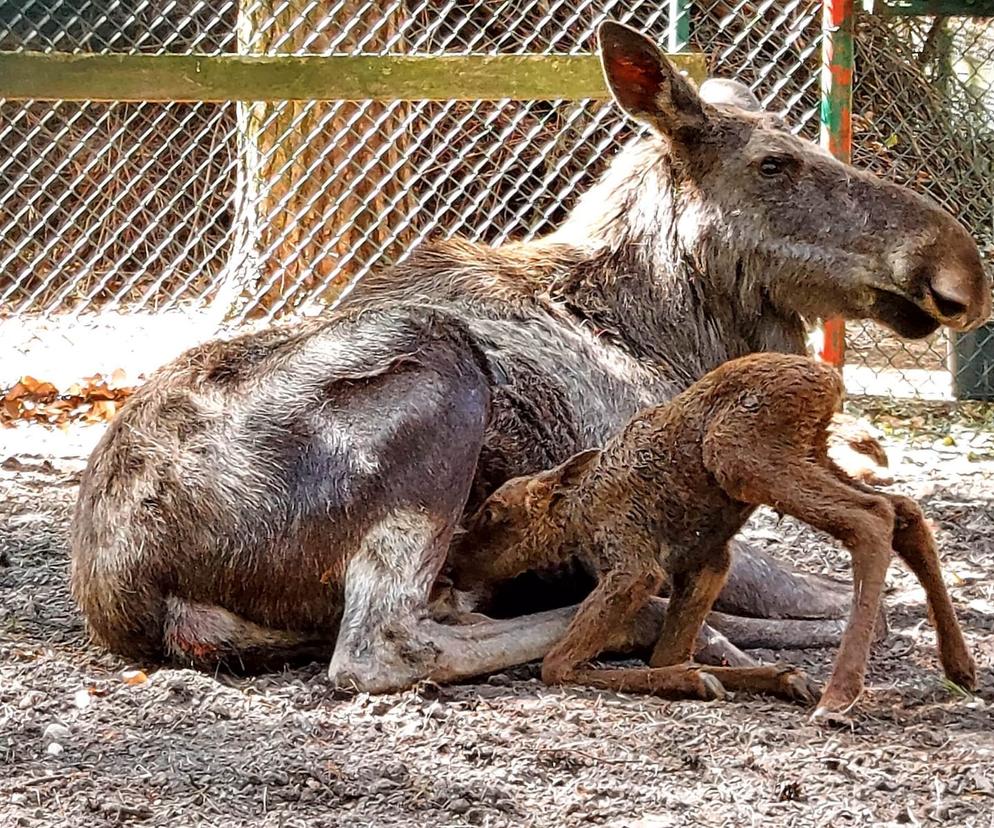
(772, 165)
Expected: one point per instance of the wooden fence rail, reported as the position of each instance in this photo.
(190, 78)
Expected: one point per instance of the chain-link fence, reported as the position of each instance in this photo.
(145, 207)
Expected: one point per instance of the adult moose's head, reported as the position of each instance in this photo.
(773, 217)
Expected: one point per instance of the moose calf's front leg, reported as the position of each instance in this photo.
(694, 592)
(613, 605)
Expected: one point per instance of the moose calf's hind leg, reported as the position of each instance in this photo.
(915, 544)
(863, 522)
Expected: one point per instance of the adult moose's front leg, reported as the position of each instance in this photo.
(760, 586)
(387, 638)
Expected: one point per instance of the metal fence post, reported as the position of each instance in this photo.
(836, 124)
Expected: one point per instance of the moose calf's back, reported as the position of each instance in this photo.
(669, 456)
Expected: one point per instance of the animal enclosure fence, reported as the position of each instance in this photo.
(268, 209)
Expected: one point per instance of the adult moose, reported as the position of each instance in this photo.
(295, 491)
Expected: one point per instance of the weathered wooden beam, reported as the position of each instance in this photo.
(189, 78)
(916, 8)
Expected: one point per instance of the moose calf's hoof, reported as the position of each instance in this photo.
(711, 689)
(796, 686)
(826, 717)
(964, 674)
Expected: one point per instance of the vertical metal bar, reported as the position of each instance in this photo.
(836, 124)
(679, 31)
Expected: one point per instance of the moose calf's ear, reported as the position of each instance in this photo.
(571, 472)
(645, 84)
(538, 491)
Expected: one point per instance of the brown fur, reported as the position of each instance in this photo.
(664, 499)
(351, 447)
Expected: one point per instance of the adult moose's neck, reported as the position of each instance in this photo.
(686, 310)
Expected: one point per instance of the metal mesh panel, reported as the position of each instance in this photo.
(142, 206)
(924, 96)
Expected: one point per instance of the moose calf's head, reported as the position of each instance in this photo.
(782, 221)
(524, 516)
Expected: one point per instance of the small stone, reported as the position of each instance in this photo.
(396, 771)
(221, 709)
(56, 732)
(82, 698)
(460, 805)
(30, 699)
(134, 677)
(382, 785)
(54, 749)
(18, 799)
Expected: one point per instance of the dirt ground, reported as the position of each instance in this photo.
(83, 741)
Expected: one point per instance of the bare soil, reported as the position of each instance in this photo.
(83, 742)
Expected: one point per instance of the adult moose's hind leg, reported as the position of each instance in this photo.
(426, 458)
(436, 412)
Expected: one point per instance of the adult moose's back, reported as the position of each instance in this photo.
(294, 492)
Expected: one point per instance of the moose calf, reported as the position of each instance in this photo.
(665, 497)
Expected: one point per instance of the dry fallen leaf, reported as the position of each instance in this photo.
(134, 677)
(93, 400)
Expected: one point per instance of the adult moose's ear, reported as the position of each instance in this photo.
(645, 84)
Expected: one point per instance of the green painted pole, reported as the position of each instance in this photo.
(679, 32)
(836, 125)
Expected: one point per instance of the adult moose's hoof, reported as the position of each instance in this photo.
(393, 661)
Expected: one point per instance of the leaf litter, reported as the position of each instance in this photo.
(94, 399)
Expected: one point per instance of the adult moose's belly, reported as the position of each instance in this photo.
(557, 390)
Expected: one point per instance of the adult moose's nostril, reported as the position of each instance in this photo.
(949, 307)
(959, 293)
